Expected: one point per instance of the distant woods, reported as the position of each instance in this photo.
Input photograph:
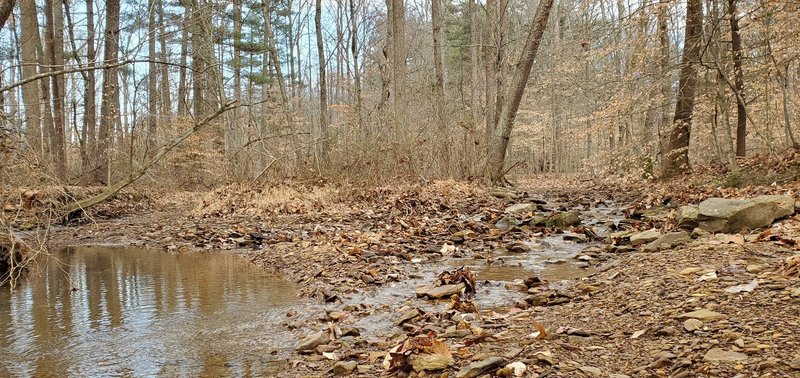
(93, 90)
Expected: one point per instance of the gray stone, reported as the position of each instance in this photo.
(564, 220)
(645, 237)
(310, 342)
(507, 222)
(687, 216)
(430, 362)
(702, 314)
(722, 355)
(731, 215)
(344, 367)
(669, 240)
(591, 370)
(439, 292)
(520, 208)
(698, 233)
(479, 368)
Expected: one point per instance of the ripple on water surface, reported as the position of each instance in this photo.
(144, 313)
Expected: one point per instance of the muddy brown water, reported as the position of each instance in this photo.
(143, 313)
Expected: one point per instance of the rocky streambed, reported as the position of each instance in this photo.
(458, 281)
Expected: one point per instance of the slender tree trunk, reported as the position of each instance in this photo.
(152, 78)
(676, 161)
(666, 81)
(738, 77)
(237, 53)
(31, 92)
(356, 65)
(183, 101)
(110, 103)
(166, 95)
(285, 101)
(438, 86)
(474, 42)
(90, 102)
(496, 162)
(399, 60)
(6, 6)
(492, 68)
(323, 90)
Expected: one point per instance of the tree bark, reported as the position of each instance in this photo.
(399, 60)
(152, 77)
(166, 95)
(356, 66)
(738, 79)
(183, 105)
(6, 6)
(676, 160)
(90, 102)
(323, 89)
(31, 92)
(438, 86)
(496, 163)
(109, 111)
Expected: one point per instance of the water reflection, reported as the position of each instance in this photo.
(143, 313)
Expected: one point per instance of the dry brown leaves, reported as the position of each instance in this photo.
(461, 275)
(398, 357)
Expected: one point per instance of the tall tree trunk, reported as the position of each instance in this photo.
(110, 102)
(323, 91)
(285, 101)
(399, 60)
(237, 52)
(738, 77)
(59, 90)
(152, 78)
(438, 86)
(166, 95)
(356, 66)
(496, 163)
(6, 6)
(474, 42)
(183, 101)
(31, 92)
(90, 102)
(666, 77)
(676, 160)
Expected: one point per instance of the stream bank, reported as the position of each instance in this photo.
(360, 262)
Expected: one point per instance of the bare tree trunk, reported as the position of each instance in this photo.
(29, 41)
(166, 96)
(399, 60)
(183, 108)
(438, 87)
(152, 77)
(738, 77)
(6, 6)
(676, 160)
(110, 103)
(787, 91)
(474, 41)
(356, 66)
(237, 53)
(666, 81)
(90, 103)
(323, 90)
(496, 163)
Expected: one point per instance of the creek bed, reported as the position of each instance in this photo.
(131, 312)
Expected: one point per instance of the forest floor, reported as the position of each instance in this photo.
(535, 299)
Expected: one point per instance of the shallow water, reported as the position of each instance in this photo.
(139, 313)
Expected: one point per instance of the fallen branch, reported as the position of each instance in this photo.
(79, 206)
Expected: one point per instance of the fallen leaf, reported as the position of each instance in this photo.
(743, 287)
